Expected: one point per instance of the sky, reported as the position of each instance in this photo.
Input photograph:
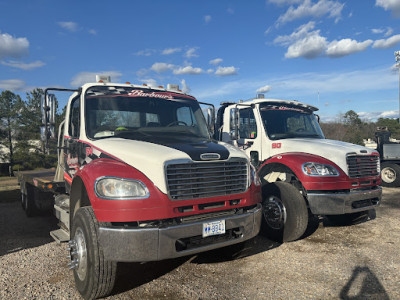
(334, 54)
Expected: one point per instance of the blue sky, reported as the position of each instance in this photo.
(335, 54)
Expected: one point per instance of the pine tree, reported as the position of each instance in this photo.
(11, 107)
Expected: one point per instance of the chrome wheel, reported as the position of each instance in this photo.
(388, 175)
(274, 212)
(78, 254)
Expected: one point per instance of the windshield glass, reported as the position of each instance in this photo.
(282, 122)
(143, 115)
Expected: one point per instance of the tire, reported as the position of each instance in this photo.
(94, 275)
(349, 219)
(28, 201)
(285, 214)
(390, 174)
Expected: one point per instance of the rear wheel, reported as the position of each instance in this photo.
(390, 174)
(28, 201)
(285, 214)
(94, 275)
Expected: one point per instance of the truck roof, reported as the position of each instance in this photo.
(280, 101)
(144, 86)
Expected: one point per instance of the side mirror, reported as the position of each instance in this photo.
(43, 136)
(234, 124)
(48, 109)
(318, 118)
(51, 103)
(211, 119)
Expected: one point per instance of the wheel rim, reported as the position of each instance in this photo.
(388, 175)
(274, 212)
(79, 254)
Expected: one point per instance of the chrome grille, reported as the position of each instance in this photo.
(363, 165)
(206, 179)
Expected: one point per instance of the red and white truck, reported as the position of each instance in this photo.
(302, 173)
(139, 178)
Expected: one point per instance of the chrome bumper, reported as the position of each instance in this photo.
(152, 244)
(344, 203)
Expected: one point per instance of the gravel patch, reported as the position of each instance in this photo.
(352, 262)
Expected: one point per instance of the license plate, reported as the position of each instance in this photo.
(213, 228)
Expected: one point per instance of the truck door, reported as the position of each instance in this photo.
(72, 146)
(250, 140)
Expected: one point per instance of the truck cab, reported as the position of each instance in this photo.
(139, 178)
(301, 171)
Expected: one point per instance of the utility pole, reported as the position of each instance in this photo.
(397, 56)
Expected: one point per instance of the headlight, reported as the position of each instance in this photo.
(120, 188)
(316, 169)
(253, 176)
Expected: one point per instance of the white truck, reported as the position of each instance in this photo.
(139, 179)
(301, 171)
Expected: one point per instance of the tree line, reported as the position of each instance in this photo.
(350, 128)
(20, 122)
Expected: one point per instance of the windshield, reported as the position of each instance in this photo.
(143, 115)
(282, 122)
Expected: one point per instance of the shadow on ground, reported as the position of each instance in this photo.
(19, 232)
(363, 284)
(133, 275)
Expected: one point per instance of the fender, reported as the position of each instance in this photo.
(293, 161)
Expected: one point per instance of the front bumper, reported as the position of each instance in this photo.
(324, 203)
(153, 244)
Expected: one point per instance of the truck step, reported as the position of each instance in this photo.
(60, 235)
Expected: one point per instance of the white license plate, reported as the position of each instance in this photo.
(213, 228)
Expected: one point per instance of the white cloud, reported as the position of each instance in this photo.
(12, 84)
(284, 2)
(85, 77)
(393, 5)
(387, 43)
(309, 9)
(377, 30)
(23, 66)
(191, 52)
(375, 115)
(145, 52)
(161, 67)
(207, 19)
(346, 47)
(92, 31)
(150, 82)
(169, 51)
(306, 85)
(188, 70)
(388, 31)
(13, 47)
(308, 43)
(309, 47)
(185, 88)
(226, 71)
(70, 26)
(216, 61)
(264, 89)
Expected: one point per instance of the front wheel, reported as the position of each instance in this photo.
(94, 275)
(285, 214)
(390, 174)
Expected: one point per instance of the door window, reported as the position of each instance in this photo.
(248, 126)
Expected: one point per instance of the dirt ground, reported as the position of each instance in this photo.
(353, 262)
